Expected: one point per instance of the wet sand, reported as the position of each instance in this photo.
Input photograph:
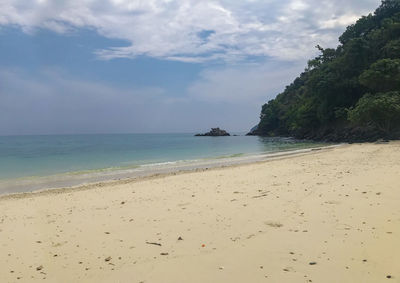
(332, 215)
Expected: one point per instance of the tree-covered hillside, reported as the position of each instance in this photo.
(348, 93)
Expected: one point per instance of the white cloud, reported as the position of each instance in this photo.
(252, 85)
(341, 21)
(54, 102)
(171, 29)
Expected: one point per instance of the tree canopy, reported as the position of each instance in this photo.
(354, 86)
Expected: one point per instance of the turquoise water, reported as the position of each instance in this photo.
(27, 156)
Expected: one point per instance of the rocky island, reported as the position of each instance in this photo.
(215, 132)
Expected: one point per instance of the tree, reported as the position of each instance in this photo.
(387, 9)
(316, 104)
(392, 49)
(380, 110)
(382, 76)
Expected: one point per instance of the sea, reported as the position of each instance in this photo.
(29, 163)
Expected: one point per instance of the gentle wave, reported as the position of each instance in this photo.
(93, 176)
(29, 163)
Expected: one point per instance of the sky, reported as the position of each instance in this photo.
(156, 66)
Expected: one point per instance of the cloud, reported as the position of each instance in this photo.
(280, 33)
(341, 21)
(175, 29)
(54, 102)
(240, 85)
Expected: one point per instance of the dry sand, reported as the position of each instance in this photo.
(328, 216)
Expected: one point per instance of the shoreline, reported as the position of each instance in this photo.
(139, 174)
(324, 216)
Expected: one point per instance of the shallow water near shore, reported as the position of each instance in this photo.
(37, 162)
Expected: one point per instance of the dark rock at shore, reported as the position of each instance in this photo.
(215, 132)
(349, 135)
(346, 134)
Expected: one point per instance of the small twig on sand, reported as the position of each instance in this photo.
(261, 196)
(152, 243)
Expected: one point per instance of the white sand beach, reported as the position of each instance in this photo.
(332, 215)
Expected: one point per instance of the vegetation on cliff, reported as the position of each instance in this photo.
(348, 93)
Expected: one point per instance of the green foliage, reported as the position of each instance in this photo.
(387, 9)
(381, 110)
(269, 117)
(363, 26)
(383, 75)
(392, 49)
(367, 61)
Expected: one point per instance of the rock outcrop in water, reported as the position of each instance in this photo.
(215, 132)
